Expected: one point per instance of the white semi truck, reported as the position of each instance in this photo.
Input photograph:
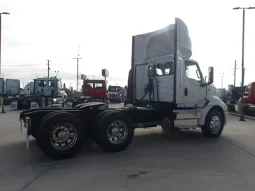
(43, 91)
(165, 88)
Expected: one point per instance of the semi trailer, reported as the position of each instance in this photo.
(165, 87)
(9, 87)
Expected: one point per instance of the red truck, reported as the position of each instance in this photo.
(95, 89)
(249, 93)
(116, 94)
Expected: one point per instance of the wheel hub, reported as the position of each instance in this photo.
(63, 136)
(117, 132)
(215, 124)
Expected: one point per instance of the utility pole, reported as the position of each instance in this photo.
(77, 75)
(235, 69)
(235, 74)
(243, 33)
(3, 13)
(48, 65)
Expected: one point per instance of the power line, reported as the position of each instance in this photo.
(27, 64)
(28, 71)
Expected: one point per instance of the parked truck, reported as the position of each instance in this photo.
(92, 91)
(249, 93)
(165, 88)
(116, 94)
(43, 91)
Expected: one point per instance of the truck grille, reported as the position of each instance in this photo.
(113, 96)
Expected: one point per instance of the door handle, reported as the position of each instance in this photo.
(186, 91)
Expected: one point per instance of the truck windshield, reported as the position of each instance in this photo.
(42, 83)
(88, 85)
(98, 85)
(113, 89)
(51, 83)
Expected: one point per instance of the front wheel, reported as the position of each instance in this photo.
(214, 124)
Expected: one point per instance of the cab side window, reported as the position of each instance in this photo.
(164, 68)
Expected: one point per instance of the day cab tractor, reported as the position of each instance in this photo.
(165, 87)
(96, 90)
(43, 91)
(116, 94)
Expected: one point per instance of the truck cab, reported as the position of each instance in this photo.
(163, 73)
(47, 87)
(249, 93)
(95, 89)
(115, 93)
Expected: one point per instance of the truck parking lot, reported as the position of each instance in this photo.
(153, 161)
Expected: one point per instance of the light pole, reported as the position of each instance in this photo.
(3, 13)
(242, 89)
(222, 74)
(56, 72)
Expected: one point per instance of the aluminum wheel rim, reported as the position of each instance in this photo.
(63, 136)
(215, 124)
(117, 132)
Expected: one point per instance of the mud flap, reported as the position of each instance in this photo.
(27, 141)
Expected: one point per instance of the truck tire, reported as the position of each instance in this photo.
(214, 124)
(61, 135)
(114, 131)
(35, 132)
(167, 126)
(95, 125)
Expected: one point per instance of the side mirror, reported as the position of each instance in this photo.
(205, 78)
(210, 75)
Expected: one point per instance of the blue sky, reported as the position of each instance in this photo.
(40, 30)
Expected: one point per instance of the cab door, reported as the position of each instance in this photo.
(194, 93)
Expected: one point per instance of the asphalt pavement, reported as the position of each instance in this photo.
(154, 161)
